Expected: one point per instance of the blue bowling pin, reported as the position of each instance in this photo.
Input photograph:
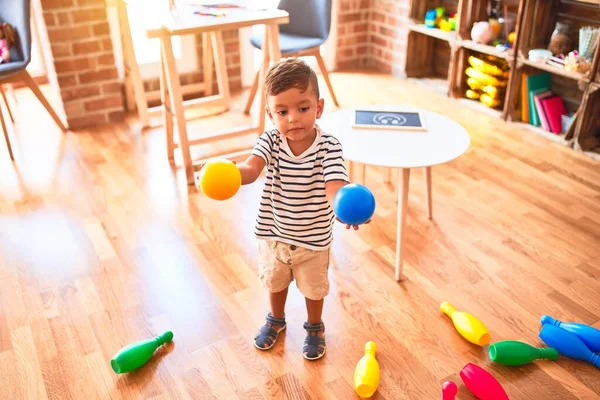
(588, 335)
(568, 344)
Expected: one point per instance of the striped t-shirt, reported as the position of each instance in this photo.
(293, 207)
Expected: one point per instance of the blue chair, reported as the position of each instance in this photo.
(17, 14)
(308, 29)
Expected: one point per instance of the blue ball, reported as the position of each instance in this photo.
(354, 204)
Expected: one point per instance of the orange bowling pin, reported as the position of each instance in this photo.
(467, 325)
(366, 374)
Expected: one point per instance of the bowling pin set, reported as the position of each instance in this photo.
(570, 339)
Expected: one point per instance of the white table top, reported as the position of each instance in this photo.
(443, 141)
(183, 21)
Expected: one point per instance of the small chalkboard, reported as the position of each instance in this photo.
(398, 120)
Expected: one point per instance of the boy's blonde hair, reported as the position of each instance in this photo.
(290, 73)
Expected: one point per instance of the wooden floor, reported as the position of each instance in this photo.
(103, 244)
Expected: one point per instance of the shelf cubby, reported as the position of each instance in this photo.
(478, 10)
(572, 94)
(459, 85)
(421, 52)
(539, 21)
(589, 126)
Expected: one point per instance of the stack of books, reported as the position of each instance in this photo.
(539, 105)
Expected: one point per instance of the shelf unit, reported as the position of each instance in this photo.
(439, 59)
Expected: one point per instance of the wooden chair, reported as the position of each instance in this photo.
(17, 13)
(308, 29)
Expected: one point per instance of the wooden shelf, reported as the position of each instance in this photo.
(487, 49)
(449, 37)
(438, 84)
(431, 52)
(479, 106)
(556, 138)
(578, 76)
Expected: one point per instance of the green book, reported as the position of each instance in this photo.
(536, 84)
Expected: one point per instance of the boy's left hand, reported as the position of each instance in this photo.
(353, 226)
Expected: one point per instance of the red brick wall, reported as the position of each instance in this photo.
(82, 52)
(388, 32)
(373, 33)
(83, 58)
(352, 34)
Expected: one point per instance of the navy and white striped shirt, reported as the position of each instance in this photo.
(293, 208)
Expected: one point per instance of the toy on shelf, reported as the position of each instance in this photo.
(482, 32)
(438, 18)
(576, 63)
(487, 80)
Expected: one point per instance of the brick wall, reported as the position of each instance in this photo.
(84, 62)
(83, 58)
(353, 34)
(388, 35)
(373, 33)
(369, 33)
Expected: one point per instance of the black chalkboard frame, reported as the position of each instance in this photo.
(403, 113)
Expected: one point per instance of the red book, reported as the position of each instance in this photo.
(554, 108)
(542, 116)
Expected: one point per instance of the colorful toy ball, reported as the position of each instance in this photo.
(354, 204)
(220, 179)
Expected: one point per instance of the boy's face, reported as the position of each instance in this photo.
(294, 112)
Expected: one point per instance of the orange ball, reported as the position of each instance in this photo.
(220, 179)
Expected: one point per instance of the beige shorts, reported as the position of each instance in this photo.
(280, 263)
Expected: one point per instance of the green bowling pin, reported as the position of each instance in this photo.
(514, 353)
(137, 354)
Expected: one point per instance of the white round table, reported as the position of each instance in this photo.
(442, 141)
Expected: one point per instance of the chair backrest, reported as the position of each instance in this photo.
(311, 18)
(18, 14)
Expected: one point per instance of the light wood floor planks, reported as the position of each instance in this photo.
(103, 244)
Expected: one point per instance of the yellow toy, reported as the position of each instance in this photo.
(220, 179)
(366, 374)
(485, 79)
(473, 94)
(487, 68)
(467, 325)
(490, 101)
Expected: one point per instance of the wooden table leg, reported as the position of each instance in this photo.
(274, 50)
(388, 178)
(10, 152)
(363, 175)
(261, 80)
(428, 192)
(165, 99)
(207, 63)
(403, 184)
(221, 67)
(176, 103)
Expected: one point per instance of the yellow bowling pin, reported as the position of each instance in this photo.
(366, 374)
(467, 325)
